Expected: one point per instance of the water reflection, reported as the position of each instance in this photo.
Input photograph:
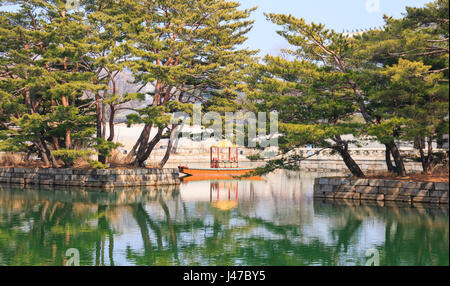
(220, 222)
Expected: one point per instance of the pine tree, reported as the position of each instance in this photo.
(371, 75)
(408, 78)
(187, 51)
(110, 23)
(313, 109)
(43, 82)
(321, 79)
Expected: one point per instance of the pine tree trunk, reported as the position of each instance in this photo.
(144, 141)
(103, 121)
(48, 153)
(65, 103)
(362, 105)
(142, 156)
(51, 157)
(100, 158)
(389, 165)
(141, 143)
(111, 123)
(132, 153)
(68, 140)
(43, 153)
(349, 162)
(425, 160)
(422, 160)
(55, 142)
(392, 146)
(429, 155)
(169, 146)
(397, 158)
(143, 147)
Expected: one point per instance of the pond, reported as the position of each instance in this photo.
(273, 221)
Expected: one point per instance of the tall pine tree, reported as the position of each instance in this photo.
(43, 82)
(187, 51)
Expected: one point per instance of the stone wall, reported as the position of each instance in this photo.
(368, 159)
(313, 165)
(381, 190)
(107, 179)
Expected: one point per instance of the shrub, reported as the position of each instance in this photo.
(255, 157)
(104, 147)
(69, 156)
(97, 165)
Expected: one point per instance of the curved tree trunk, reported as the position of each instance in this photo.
(349, 162)
(143, 155)
(68, 140)
(132, 153)
(100, 158)
(55, 142)
(103, 121)
(173, 133)
(141, 144)
(111, 122)
(145, 137)
(42, 153)
(429, 160)
(342, 149)
(389, 165)
(425, 160)
(65, 103)
(397, 158)
(50, 158)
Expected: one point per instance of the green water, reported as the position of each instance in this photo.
(271, 222)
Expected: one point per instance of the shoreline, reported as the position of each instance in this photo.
(105, 179)
(397, 190)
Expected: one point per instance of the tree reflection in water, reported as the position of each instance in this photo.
(265, 227)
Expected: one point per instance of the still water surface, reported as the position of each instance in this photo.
(274, 221)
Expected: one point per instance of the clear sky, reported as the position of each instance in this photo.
(339, 15)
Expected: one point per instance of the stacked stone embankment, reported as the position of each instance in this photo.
(368, 159)
(381, 190)
(107, 179)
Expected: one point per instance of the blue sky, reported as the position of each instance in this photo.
(336, 14)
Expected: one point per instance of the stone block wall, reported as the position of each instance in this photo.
(368, 159)
(381, 190)
(107, 179)
(318, 165)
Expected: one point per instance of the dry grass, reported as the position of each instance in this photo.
(81, 163)
(153, 166)
(119, 160)
(440, 170)
(8, 159)
(116, 158)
